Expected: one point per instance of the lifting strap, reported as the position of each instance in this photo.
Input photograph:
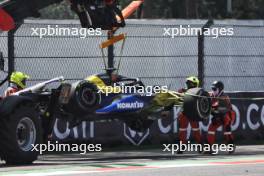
(110, 42)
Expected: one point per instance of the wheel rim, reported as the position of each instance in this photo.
(26, 134)
(203, 106)
(88, 96)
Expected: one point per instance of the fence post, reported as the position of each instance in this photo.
(201, 68)
(11, 50)
(110, 52)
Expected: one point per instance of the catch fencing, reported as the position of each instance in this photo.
(148, 54)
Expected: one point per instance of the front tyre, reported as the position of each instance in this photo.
(18, 132)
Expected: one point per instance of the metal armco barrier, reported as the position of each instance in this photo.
(248, 127)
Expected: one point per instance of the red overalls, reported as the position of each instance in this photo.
(222, 115)
(183, 125)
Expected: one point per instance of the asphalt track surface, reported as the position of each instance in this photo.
(247, 161)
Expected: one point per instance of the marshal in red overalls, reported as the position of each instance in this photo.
(222, 113)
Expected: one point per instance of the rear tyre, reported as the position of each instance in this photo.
(197, 104)
(18, 132)
(85, 98)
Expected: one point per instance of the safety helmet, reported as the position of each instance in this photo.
(19, 79)
(192, 82)
(217, 85)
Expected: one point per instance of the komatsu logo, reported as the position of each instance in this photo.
(134, 105)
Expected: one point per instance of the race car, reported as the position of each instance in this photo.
(87, 100)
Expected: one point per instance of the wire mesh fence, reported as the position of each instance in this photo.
(238, 60)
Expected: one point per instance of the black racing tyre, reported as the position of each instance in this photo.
(85, 97)
(197, 104)
(18, 131)
(139, 124)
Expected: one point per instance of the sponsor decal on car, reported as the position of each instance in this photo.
(134, 105)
